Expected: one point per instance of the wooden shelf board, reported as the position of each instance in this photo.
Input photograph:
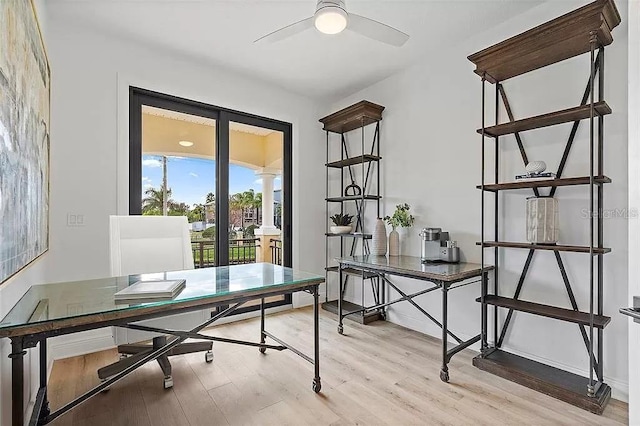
(352, 198)
(332, 306)
(358, 159)
(600, 321)
(550, 119)
(544, 183)
(557, 383)
(352, 271)
(352, 235)
(551, 247)
(554, 41)
(353, 117)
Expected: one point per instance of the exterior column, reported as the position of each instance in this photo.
(267, 230)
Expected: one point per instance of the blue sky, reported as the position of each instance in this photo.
(191, 179)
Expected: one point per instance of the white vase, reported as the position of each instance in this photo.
(394, 243)
(379, 239)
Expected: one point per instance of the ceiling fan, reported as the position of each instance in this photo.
(331, 17)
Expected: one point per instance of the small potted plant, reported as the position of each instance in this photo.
(342, 223)
(400, 218)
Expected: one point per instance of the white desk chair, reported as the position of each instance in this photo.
(147, 244)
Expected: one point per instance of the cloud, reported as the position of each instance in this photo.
(151, 162)
(193, 174)
(146, 179)
(258, 181)
(148, 185)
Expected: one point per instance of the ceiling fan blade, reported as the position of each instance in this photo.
(376, 30)
(287, 31)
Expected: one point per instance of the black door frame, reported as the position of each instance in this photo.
(139, 97)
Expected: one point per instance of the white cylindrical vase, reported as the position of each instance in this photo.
(394, 243)
(542, 220)
(379, 239)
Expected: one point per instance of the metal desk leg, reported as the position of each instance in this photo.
(340, 327)
(444, 373)
(44, 405)
(316, 341)
(17, 381)
(262, 335)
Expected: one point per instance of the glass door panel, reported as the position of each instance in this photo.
(179, 174)
(255, 196)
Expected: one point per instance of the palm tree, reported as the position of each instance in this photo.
(211, 198)
(154, 201)
(236, 203)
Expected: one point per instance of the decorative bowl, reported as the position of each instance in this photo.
(341, 229)
(535, 167)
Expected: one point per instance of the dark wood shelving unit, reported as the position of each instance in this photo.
(569, 315)
(549, 247)
(554, 41)
(352, 271)
(352, 198)
(353, 161)
(584, 30)
(544, 183)
(560, 384)
(570, 115)
(349, 235)
(357, 169)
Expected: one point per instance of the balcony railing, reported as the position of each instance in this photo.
(240, 251)
(276, 250)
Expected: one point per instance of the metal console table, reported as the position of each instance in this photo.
(56, 309)
(443, 276)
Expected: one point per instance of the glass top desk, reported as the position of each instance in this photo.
(50, 310)
(440, 276)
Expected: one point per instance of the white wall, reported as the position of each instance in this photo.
(431, 159)
(634, 203)
(88, 158)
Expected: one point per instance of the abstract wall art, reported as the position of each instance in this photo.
(24, 138)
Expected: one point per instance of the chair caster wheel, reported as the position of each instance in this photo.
(316, 386)
(444, 376)
(168, 382)
(340, 329)
(262, 350)
(208, 357)
(122, 356)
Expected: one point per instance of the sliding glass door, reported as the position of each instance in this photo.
(228, 172)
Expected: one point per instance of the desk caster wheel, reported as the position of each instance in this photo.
(340, 329)
(208, 357)
(444, 376)
(122, 356)
(168, 382)
(316, 386)
(263, 350)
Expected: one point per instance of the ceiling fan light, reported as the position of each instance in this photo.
(330, 20)
(185, 143)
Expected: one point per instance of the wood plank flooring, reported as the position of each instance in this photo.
(378, 374)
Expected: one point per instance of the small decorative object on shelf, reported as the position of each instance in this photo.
(342, 223)
(536, 170)
(352, 190)
(379, 239)
(542, 220)
(536, 167)
(400, 218)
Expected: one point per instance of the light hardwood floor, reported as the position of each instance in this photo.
(373, 375)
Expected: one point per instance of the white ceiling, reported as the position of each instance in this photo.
(312, 64)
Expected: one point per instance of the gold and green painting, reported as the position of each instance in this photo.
(24, 138)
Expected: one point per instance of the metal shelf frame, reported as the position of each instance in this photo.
(369, 154)
(591, 332)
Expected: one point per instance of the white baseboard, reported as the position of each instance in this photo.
(80, 343)
(619, 388)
